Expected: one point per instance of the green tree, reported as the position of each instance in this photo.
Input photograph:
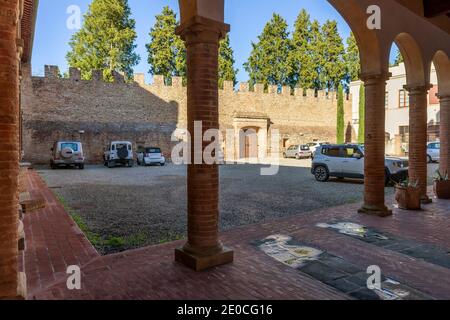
(398, 58)
(106, 40)
(315, 75)
(166, 50)
(352, 60)
(226, 63)
(340, 116)
(267, 63)
(333, 55)
(362, 112)
(299, 59)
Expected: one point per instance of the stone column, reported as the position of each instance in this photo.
(444, 161)
(374, 167)
(9, 150)
(203, 249)
(418, 138)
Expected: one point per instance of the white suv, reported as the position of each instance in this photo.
(118, 152)
(433, 151)
(347, 161)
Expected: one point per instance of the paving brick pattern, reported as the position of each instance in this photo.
(151, 273)
(53, 240)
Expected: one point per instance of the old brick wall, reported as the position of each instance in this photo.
(56, 108)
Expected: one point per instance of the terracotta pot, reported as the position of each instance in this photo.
(407, 198)
(442, 189)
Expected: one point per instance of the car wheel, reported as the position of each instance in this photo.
(111, 164)
(285, 155)
(163, 164)
(430, 160)
(321, 174)
(81, 166)
(297, 157)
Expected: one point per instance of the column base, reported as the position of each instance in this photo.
(426, 200)
(199, 262)
(21, 288)
(376, 211)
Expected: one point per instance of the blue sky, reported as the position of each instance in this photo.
(247, 19)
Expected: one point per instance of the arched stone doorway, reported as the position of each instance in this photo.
(249, 143)
(251, 136)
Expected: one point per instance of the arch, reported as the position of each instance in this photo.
(249, 142)
(416, 72)
(442, 64)
(371, 57)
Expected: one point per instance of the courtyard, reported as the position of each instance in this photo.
(320, 254)
(121, 209)
(207, 232)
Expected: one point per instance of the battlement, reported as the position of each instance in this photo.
(53, 73)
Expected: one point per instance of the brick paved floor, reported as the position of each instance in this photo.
(151, 273)
(53, 240)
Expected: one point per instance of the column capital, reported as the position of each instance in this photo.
(202, 30)
(417, 89)
(374, 78)
(443, 96)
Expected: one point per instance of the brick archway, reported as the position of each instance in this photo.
(202, 26)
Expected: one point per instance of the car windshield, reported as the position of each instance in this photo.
(311, 144)
(153, 150)
(304, 148)
(71, 145)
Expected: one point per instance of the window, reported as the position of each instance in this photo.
(434, 146)
(386, 100)
(153, 150)
(403, 101)
(404, 130)
(351, 152)
(332, 152)
(404, 133)
(73, 146)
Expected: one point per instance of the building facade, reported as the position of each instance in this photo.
(56, 108)
(397, 110)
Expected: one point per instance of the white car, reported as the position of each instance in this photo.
(314, 145)
(347, 161)
(118, 152)
(433, 151)
(298, 152)
(150, 156)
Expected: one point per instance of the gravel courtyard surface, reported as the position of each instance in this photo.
(125, 208)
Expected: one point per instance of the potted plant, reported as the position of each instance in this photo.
(407, 195)
(441, 185)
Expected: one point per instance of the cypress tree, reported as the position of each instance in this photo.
(106, 40)
(267, 63)
(166, 51)
(362, 112)
(340, 116)
(226, 62)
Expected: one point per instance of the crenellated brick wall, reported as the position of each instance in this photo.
(59, 108)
